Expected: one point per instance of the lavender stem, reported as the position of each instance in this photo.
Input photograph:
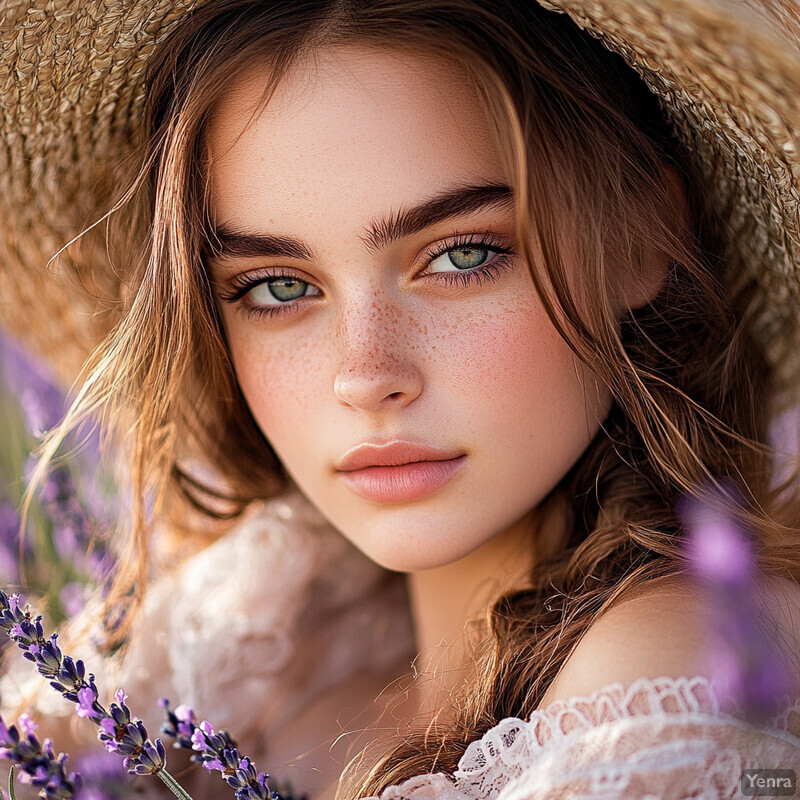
(173, 785)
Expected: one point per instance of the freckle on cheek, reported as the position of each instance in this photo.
(276, 381)
(517, 348)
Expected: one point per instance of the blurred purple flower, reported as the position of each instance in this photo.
(718, 549)
(73, 528)
(74, 506)
(9, 544)
(73, 598)
(744, 665)
(37, 763)
(102, 778)
(41, 401)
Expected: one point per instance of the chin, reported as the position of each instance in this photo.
(418, 537)
(407, 557)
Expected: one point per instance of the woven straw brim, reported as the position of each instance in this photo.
(71, 77)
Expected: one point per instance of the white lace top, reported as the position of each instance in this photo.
(663, 739)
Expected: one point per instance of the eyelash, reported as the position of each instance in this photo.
(242, 284)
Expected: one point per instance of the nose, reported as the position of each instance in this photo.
(379, 368)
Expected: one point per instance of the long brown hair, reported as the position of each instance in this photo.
(594, 163)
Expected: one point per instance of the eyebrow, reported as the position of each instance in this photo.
(225, 242)
(453, 203)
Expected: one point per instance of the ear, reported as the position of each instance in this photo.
(637, 290)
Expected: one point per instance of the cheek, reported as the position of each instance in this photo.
(514, 366)
(280, 378)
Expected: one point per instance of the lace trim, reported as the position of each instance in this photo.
(570, 736)
(566, 717)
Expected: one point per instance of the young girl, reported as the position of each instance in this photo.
(494, 293)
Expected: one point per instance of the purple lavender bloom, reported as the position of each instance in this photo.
(87, 705)
(218, 752)
(150, 760)
(743, 663)
(26, 725)
(42, 402)
(128, 737)
(73, 598)
(180, 725)
(73, 528)
(102, 778)
(37, 763)
(9, 544)
(116, 728)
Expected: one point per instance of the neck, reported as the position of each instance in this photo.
(444, 600)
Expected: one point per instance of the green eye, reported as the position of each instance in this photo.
(468, 260)
(463, 256)
(467, 257)
(281, 289)
(287, 288)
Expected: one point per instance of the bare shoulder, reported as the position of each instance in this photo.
(663, 632)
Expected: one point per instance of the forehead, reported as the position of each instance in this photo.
(347, 130)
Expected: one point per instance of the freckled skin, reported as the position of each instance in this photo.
(382, 351)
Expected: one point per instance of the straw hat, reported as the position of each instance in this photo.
(71, 77)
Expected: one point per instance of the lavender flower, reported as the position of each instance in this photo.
(73, 598)
(180, 725)
(127, 736)
(9, 544)
(101, 778)
(744, 665)
(119, 732)
(74, 515)
(73, 527)
(218, 752)
(42, 403)
(117, 729)
(37, 763)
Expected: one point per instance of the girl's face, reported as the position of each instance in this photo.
(384, 330)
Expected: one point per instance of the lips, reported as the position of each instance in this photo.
(395, 472)
(390, 454)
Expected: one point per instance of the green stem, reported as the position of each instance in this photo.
(172, 784)
(11, 782)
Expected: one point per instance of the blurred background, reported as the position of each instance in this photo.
(63, 551)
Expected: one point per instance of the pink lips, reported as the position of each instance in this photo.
(397, 472)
